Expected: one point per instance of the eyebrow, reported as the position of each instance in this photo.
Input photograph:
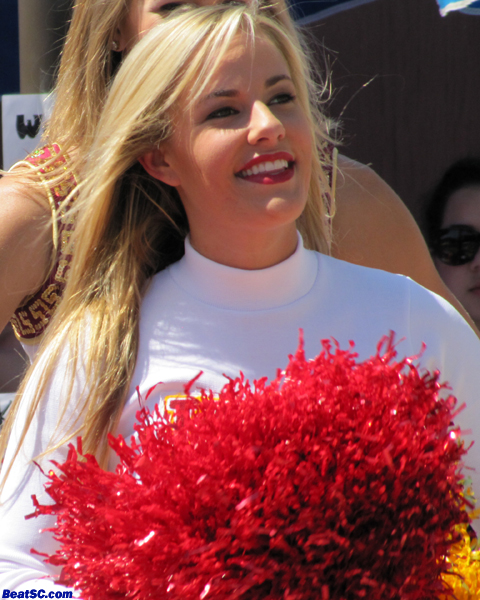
(273, 80)
(270, 82)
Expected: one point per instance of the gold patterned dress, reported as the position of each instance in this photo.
(32, 317)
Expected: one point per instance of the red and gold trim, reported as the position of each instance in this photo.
(33, 315)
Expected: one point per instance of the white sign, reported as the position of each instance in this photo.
(23, 116)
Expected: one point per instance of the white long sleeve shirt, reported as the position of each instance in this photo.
(198, 315)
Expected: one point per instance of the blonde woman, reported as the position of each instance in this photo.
(206, 187)
(371, 225)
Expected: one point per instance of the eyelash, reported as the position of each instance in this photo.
(284, 98)
(171, 6)
(217, 114)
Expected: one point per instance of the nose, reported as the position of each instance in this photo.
(264, 127)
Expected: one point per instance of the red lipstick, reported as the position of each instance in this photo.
(267, 158)
(274, 173)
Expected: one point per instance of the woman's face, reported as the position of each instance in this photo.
(145, 14)
(240, 155)
(463, 208)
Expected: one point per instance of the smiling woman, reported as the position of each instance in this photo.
(370, 224)
(199, 264)
(248, 138)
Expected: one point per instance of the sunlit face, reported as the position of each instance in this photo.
(145, 14)
(463, 208)
(240, 155)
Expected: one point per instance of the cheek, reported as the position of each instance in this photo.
(212, 157)
(302, 136)
(147, 22)
(455, 278)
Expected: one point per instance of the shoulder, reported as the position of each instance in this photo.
(371, 223)
(365, 287)
(35, 226)
(24, 210)
(352, 276)
(21, 197)
(367, 299)
(373, 227)
(25, 241)
(24, 193)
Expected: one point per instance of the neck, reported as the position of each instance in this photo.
(247, 251)
(246, 289)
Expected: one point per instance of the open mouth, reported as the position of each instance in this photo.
(268, 170)
(272, 168)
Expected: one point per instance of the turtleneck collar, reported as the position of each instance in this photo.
(238, 289)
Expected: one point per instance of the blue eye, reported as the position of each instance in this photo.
(170, 7)
(220, 113)
(282, 99)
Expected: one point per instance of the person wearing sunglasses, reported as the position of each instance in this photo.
(452, 228)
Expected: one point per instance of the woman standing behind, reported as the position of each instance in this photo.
(371, 225)
(206, 166)
(452, 228)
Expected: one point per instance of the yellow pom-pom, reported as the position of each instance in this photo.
(463, 578)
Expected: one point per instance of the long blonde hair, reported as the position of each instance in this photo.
(88, 64)
(131, 226)
(85, 71)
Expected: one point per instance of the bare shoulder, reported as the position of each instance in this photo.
(371, 223)
(373, 227)
(21, 197)
(25, 241)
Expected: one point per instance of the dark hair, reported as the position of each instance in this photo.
(462, 174)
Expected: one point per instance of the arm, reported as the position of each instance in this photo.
(25, 242)
(12, 361)
(373, 227)
(453, 349)
(21, 570)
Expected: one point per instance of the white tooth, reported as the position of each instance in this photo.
(266, 166)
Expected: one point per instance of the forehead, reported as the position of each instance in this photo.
(463, 208)
(246, 60)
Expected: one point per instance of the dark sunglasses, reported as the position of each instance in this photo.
(457, 245)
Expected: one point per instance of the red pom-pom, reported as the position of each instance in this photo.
(337, 480)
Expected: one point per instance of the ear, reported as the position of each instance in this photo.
(157, 165)
(120, 41)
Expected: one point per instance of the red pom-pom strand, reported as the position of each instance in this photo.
(337, 480)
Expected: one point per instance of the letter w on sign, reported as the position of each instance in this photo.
(24, 129)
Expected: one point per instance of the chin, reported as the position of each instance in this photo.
(289, 209)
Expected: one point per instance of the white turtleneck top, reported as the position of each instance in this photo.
(198, 315)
